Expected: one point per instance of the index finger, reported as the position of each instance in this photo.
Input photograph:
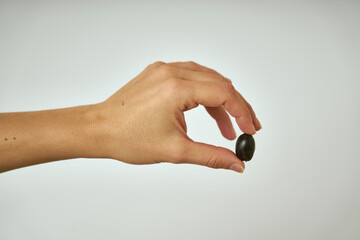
(190, 65)
(214, 94)
(197, 67)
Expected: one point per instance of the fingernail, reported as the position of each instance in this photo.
(237, 167)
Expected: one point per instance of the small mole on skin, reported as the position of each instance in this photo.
(123, 103)
(14, 138)
(5, 139)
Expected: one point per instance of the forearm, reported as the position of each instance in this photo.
(28, 138)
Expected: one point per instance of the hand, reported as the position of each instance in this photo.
(144, 122)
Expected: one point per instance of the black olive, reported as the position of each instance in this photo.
(245, 147)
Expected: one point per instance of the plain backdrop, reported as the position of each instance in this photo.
(296, 62)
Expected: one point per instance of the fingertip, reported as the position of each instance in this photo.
(253, 129)
(237, 167)
(257, 124)
(246, 125)
(232, 135)
(229, 135)
(232, 138)
(250, 131)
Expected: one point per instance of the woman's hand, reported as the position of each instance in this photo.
(144, 123)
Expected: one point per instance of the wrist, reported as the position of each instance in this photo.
(89, 134)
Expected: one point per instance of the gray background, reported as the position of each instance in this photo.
(297, 63)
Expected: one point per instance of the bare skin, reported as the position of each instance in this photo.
(142, 123)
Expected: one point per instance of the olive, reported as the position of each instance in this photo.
(245, 147)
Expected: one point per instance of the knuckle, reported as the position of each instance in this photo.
(245, 119)
(226, 80)
(228, 88)
(154, 65)
(192, 63)
(157, 64)
(249, 106)
(213, 162)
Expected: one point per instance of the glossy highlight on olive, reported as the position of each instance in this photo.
(245, 147)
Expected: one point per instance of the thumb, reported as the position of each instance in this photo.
(212, 156)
